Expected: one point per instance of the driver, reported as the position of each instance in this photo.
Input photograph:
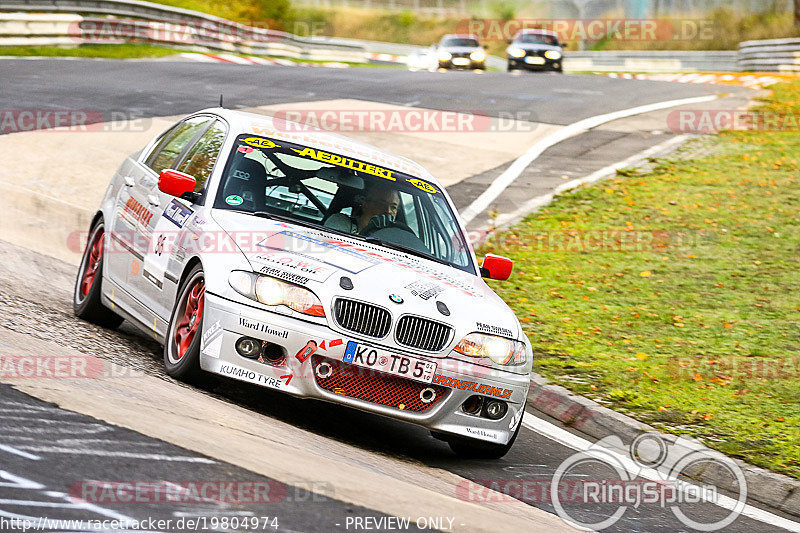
(378, 210)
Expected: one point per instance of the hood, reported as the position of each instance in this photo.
(536, 47)
(319, 260)
(461, 49)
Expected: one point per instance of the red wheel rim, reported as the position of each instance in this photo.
(192, 316)
(95, 250)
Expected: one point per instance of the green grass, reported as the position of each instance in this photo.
(110, 51)
(695, 328)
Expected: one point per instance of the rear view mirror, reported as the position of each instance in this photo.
(496, 267)
(175, 182)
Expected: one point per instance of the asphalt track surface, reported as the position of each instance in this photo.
(35, 429)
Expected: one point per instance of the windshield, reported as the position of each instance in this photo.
(343, 195)
(459, 41)
(537, 38)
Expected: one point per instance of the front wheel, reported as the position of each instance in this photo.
(86, 302)
(182, 344)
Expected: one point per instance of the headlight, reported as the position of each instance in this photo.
(500, 350)
(478, 55)
(552, 54)
(515, 51)
(272, 291)
(444, 55)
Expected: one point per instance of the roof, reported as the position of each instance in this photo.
(266, 126)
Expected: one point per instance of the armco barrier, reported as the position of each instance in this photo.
(183, 28)
(772, 55)
(159, 24)
(652, 61)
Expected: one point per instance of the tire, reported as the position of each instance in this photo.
(467, 448)
(86, 302)
(182, 342)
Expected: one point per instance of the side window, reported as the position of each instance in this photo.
(199, 161)
(174, 142)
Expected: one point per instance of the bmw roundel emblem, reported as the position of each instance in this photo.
(396, 298)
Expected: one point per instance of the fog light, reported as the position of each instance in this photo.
(473, 405)
(495, 409)
(247, 347)
(427, 395)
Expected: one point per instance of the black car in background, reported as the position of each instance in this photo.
(535, 50)
(460, 51)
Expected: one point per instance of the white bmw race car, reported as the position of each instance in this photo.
(313, 264)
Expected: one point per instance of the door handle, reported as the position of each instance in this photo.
(152, 200)
(129, 181)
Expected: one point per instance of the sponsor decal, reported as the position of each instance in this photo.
(260, 142)
(423, 185)
(139, 212)
(308, 267)
(282, 274)
(241, 175)
(177, 213)
(134, 267)
(261, 327)
(248, 375)
(152, 279)
(244, 149)
(424, 289)
(346, 162)
(211, 341)
(306, 351)
(336, 342)
(494, 330)
(480, 388)
(483, 433)
(234, 199)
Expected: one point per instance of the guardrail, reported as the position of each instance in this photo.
(773, 55)
(65, 22)
(652, 61)
(157, 24)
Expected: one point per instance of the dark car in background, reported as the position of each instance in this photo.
(533, 49)
(460, 51)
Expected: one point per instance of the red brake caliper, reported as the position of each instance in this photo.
(192, 315)
(90, 271)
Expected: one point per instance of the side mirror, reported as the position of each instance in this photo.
(175, 183)
(496, 267)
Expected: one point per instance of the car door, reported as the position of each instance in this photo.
(162, 264)
(137, 208)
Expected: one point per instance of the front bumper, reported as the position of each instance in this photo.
(524, 63)
(307, 345)
(469, 64)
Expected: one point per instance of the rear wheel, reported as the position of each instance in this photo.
(86, 302)
(182, 344)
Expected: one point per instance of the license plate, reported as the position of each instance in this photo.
(534, 60)
(390, 363)
(460, 61)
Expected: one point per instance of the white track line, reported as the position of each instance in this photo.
(570, 440)
(544, 199)
(521, 163)
(12, 450)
